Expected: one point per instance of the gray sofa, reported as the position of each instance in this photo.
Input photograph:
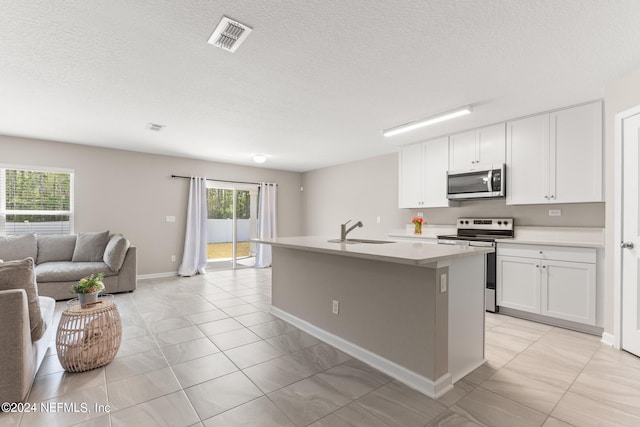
(62, 260)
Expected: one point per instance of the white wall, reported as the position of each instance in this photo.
(361, 190)
(131, 193)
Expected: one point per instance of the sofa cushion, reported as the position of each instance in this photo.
(90, 247)
(20, 275)
(68, 271)
(115, 251)
(55, 247)
(18, 247)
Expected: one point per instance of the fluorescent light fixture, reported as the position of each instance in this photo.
(259, 158)
(462, 111)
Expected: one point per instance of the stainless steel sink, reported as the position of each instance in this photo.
(353, 241)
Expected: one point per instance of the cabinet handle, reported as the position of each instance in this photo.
(540, 252)
(544, 266)
(553, 197)
(537, 266)
(546, 197)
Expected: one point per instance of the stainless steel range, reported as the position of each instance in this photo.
(482, 232)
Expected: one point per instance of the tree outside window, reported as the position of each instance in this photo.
(220, 204)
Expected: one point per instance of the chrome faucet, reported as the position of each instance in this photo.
(344, 231)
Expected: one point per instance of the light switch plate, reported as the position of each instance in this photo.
(443, 283)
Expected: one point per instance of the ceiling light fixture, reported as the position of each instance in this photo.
(259, 158)
(462, 111)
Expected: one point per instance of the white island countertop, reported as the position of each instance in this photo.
(411, 253)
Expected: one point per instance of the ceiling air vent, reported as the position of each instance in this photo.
(154, 127)
(229, 34)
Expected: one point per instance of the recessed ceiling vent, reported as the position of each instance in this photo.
(229, 34)
(154, 127)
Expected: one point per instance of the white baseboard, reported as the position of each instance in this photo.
(608, 339)
(404, 375)
(157, 275)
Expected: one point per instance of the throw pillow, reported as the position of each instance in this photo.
(21, 275)
(90, 247)
(116, 251)
(18, 247)
(56, 247)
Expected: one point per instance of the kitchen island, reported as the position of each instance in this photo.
(412, 310)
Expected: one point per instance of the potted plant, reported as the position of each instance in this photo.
(417, 222)
(88, 289)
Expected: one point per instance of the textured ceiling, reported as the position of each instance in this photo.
(315, 82)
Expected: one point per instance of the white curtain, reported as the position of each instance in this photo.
(194, 259)
(266, 223)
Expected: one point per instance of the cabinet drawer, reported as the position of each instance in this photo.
(559, 253)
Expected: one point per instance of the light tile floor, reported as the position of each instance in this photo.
(204, 351)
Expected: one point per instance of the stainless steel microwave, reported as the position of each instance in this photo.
(486, 182)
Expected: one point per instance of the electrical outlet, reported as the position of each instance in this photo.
(420, 214)
(336, 306)
(173, 258)
(443, 283)
(378, 220)
(170, 218)
(555, 212)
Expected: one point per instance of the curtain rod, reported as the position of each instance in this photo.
(224, 180)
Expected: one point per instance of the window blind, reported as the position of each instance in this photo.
(35, 201)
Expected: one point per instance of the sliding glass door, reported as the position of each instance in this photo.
(231, 224)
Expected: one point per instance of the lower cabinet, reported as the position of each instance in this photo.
(518, 283)
(552, 281)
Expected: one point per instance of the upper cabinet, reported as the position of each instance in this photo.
(556, 157)
(423, 175)
(486, 145)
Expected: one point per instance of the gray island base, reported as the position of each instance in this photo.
(415, 311)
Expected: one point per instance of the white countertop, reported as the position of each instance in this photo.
(411, 253)
(584, 237)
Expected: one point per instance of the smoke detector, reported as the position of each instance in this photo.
(229, 34)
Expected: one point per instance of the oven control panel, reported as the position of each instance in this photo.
(485, 223)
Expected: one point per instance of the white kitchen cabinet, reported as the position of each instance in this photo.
(556, 157)
(484, 146)
(423, 175)
(518, 283)
(411, 176)
(568, 291)
(553, 281)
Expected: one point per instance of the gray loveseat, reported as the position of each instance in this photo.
(62, 260)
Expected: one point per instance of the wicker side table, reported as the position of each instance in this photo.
(88, 338)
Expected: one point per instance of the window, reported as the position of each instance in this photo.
(36, 201)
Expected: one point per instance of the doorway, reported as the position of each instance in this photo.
(231, 224)
(627, 232)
